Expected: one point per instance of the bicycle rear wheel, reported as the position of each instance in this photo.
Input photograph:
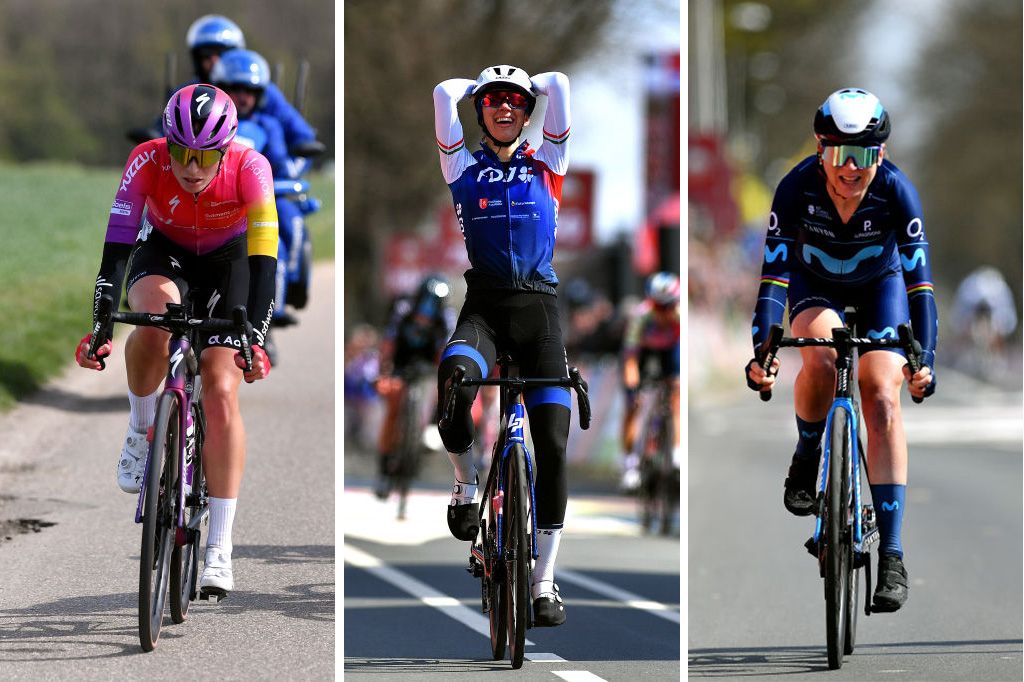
(668, 478)
(837, 540)
(185, 557)
(158, 521)
(516, 552)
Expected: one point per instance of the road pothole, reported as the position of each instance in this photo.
(11, 527)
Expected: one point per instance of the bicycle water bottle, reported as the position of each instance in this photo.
(190, 451)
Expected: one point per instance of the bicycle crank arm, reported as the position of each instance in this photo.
(195, 521)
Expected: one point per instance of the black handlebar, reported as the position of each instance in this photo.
(906, 342)
(175, 320)
(574, 381)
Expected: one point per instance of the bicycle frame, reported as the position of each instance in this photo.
(182, 377)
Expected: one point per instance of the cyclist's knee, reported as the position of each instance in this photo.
(819, 365)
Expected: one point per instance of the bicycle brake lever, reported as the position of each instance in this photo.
(582, 398)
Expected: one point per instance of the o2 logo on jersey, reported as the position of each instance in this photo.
(915, 228)
(773, 222)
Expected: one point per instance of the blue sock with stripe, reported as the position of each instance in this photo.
(889, 502)
(809, 444)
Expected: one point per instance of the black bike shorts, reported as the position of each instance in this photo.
(218, 281)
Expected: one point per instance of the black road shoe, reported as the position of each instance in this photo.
(800, 483)
(548, 610)
(463, 521)
(892, 590)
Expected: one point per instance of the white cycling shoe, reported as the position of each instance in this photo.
(217, 578)
(131, 466)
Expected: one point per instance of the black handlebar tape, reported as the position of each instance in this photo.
(912, 349)
(238, 316)
(767, 354)
(582, 399)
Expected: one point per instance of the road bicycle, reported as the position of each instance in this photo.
(844, 527)
(173, 501)
(502, 556)
(658, 494)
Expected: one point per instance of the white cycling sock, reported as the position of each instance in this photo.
(547, 551)
(465, 469)
(222, 517)
(143, 410)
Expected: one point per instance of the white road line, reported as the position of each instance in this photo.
(425, 593)
(628, 598)
(544, 658)
(577, 675)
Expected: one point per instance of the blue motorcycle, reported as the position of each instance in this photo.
(294, 203)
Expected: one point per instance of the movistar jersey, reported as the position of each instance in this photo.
(508, 212)
(885, 235)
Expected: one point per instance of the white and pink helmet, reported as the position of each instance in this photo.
(200, 117)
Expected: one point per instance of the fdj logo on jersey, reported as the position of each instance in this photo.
(525, 174)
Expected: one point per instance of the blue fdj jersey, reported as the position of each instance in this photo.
(885, 235)
(508, 211)
(508, 215)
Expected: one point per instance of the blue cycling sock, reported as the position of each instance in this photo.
(889, 502)
(809, 445)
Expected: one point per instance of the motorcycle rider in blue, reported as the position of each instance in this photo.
(245, 76)
(846, 229)
(506, 199)
(208, 38)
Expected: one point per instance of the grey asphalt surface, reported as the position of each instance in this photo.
(408, 597)
(756, 607)
(68, 592)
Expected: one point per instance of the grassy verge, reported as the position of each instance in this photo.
(55, 216)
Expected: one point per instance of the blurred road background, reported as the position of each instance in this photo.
(948, 73)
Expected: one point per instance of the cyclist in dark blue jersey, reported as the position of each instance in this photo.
(506, 199)
(846, 229)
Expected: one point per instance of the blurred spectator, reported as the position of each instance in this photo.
(362, 365)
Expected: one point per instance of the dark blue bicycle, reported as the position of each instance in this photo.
(506, 545)
(844, 526)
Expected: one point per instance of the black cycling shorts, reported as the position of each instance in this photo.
(218, 281)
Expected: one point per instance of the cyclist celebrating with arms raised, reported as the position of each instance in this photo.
(210, 227)
(506, 199)
(846, 229)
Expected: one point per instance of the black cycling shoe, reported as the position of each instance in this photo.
(892, 590)
(800, 485)
(548, 611)
(463, 520)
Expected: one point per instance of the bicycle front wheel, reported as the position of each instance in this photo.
(158, 520)
(837, 540)
(517, 551)
(492, 582)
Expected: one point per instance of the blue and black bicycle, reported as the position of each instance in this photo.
(844, 527)
(506, 546)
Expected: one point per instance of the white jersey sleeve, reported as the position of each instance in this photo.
(554, 150)
(451, 142)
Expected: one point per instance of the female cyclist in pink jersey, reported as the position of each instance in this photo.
(210, 225)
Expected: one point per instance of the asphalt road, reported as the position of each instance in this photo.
(68, 592)
(412, 612)
(755, 601)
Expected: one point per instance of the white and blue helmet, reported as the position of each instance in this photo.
(214, 30)
(852, 116)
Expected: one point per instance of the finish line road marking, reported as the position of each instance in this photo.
(577, 675)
